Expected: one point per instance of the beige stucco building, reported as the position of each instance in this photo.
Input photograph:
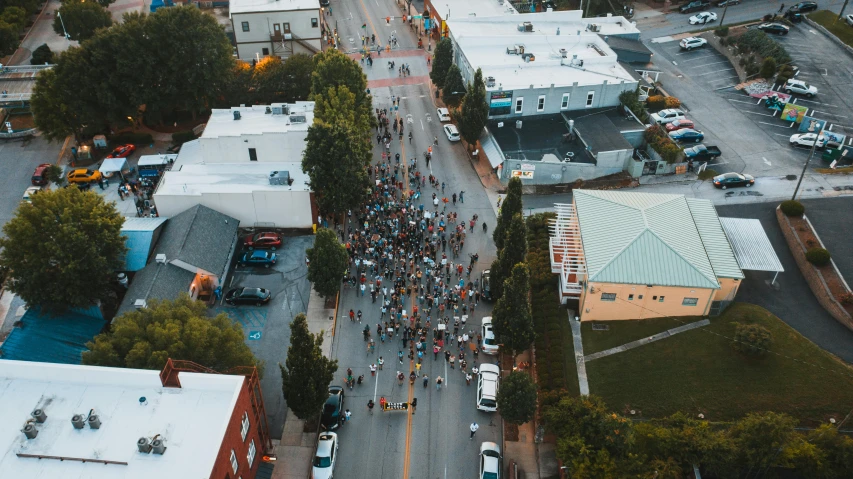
(624, 255)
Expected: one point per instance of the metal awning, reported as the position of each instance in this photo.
(751, 245)
(113, 165)
(491, 149)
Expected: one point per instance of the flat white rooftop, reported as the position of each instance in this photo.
(197, 179)
(257, 6)
(544, 23)
(473, 8)
(254, 120)
(192, 420)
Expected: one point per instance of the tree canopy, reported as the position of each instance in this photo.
(441, 61)
(336, 157)
(474, 112)
(328, 260)
(512, 318)
(307, 373)
(81, 19)
(454, 86)
(277, 81)
(337, 106)
(42, 55)
(517, 397)
(63, 249)
(513, 252)
(332, 69)
(510, 205)
(179, 329)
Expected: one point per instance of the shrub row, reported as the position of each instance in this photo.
(631, 101)
(658, 140)
(658, 102)
(548, 316)
(758, 42)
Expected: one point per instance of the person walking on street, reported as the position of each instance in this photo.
(438, 382)
(373, 369)
(370, 405)
(474, 427)
(426, 381)
(462, 196)
(781, 8)
(400, 356)
(485, 228)
(414, 405)
(381, 362)
(468, 379)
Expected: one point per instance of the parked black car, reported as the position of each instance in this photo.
(803, 7)
(774, 28)
(695, 6)
(728, 180)
(723, 3)
(333, 409)
(256, 296)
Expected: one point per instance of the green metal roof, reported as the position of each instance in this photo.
(642, 238)
(714, 238)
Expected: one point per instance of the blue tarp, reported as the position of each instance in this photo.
(52, 339)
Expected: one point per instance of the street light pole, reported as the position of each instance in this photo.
(724, 14)
(63, 25)
(811, 153)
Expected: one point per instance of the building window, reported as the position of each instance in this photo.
(640, 297)
(314, 23)
(660, 300)
(252, 451)
(244, 426)
(253, 154)
(589, 97)
(541, 105)
(630, 297)
(234, 463)
(608, 296)
(690, 302)
(519, 102)
(265, 52)
(245, 26)
(564, 104)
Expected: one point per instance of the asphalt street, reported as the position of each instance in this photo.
(20, 159)
(436, 441)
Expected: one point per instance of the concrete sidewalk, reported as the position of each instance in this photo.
(647, 340)
(295, 451)
(524, 451)
(583, 383)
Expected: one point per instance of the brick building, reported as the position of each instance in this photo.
(76, 421)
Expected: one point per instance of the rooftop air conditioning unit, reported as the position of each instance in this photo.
(144, 445)
(30, 431)
(528, 57)
(490, 81)
(78, 421)
(268, 111)
(298, 119)
(563, 52)
(525, 27)
(158, 446)
(236, 115)
(515, 50)
(276, 110)
(39, 415)
(594, 27)
(281, 178)
(160, 258)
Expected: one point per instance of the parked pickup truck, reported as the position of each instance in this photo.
(701, 153)
(695, 6)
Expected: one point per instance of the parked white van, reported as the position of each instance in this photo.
(487, 387)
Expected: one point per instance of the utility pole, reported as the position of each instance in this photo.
(724, 14)
(841, 13)
(811, 153)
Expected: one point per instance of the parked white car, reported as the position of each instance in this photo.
(490, 344)
(849, 19)
(452, 133)
(800, 87)
(32, 190)
(325, 457)
(807, 140)
(490, 461)
(703, 18)
(487, 387)
(443, 114)
(690, 43)
(667, 116)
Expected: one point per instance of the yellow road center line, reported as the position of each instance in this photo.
(369, 21)
(407, 459)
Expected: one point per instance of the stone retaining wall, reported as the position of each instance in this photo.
(813, 276)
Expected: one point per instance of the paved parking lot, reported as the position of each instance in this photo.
(267, 327)
(705, 66)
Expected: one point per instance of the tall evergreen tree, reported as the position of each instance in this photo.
(512, 318)
(474, 111)
(328, 261)
(454, 87)
(336, 159)
(307, 373)
(510, 206)
(441, 61)
(514, 252)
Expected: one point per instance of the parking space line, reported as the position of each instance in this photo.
(756, 113)
(772, 124)
(741, 101)
(714, 73)
(830, 114)
(706, 64)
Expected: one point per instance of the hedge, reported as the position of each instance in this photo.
(659, 141)
(132, 137)
(762, 45)
(818, 256)
(792, 208)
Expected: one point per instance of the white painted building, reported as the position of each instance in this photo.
(543, 63)
(276, 27)
(230, 168)
(245, 191)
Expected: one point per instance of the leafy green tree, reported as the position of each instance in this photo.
(514, 252)
(517, 397)
(332, 69)
(441, 61)
(9, 40)
(178, 329)
(328, 261)
(42, 55)
(512, 318)
(752, 339)
(336, 158)
(62, 251)
(474, 112)
(454, 87)
(337, 106)
(510, 206)
(106, 3)
(760, 437)
(29, 6)
(81, 19)
(15, 16)
(307, 373)
(833, 457)
(268, 80)
(54, 111)
(768, 68)
(237, 86)
(686, 441)
(297, 71)
(53, 174)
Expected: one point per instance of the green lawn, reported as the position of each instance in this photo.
(621, 332)
(697, 371)
(839, 28)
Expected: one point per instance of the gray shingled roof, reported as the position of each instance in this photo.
(156, 281)
(200, 237)
(642, 238)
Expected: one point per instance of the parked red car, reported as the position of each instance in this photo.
(122, 151)
(679, 124)
(263, 240)
(38, 178)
